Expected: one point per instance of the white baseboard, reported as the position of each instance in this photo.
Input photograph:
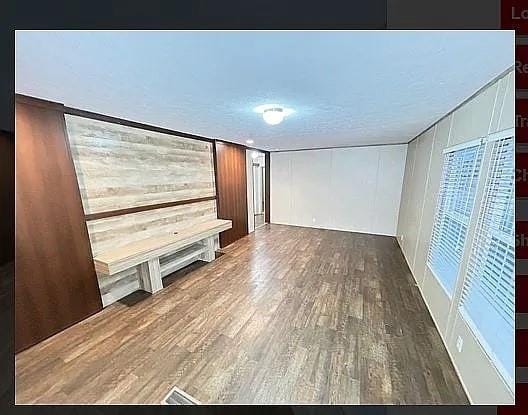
(331, 228)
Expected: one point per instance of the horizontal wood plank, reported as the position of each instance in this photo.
(126, 211)
(119, 167)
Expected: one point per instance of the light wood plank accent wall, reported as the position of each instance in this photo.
(119, 230)
(121, 167)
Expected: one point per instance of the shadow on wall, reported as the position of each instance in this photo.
(7, 197)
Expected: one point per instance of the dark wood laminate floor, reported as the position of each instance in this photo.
(286, 315)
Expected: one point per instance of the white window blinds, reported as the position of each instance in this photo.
(453, 210)
(488, 293)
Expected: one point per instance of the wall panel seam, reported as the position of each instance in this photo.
(424, 198)
(504, 100)
(494, 106)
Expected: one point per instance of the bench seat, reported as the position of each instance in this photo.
(196, 242)
(132, 254)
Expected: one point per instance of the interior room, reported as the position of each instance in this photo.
(253, 217)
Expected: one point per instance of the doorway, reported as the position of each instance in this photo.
(256, 171)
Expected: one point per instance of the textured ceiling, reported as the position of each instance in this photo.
(347, 88)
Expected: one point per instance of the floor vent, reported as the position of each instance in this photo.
(178, 397)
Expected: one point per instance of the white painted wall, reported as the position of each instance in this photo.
(490, 111)
(353, 189)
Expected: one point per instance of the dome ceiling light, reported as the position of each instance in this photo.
(273, 114)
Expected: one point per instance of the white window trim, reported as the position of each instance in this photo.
(468, 144)
(462, 146)
(439, 281)
(499, 135)
(494, 360)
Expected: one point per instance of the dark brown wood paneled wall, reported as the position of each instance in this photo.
(7, 256)
(7, 194)
(55, 283)
(231, 189)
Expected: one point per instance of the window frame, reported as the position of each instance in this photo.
(477, 142)
(471, 240)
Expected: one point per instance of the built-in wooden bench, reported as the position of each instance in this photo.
(162, 254)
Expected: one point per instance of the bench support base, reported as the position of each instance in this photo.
(209, 254)
(150, 276)
(150, 273)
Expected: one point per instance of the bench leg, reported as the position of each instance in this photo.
(150, 276)
(209, 255)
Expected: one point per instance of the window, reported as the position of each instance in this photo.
(453, 211)
(487, 302)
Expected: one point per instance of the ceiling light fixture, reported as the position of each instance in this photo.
(273, 114)
(249, 141)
